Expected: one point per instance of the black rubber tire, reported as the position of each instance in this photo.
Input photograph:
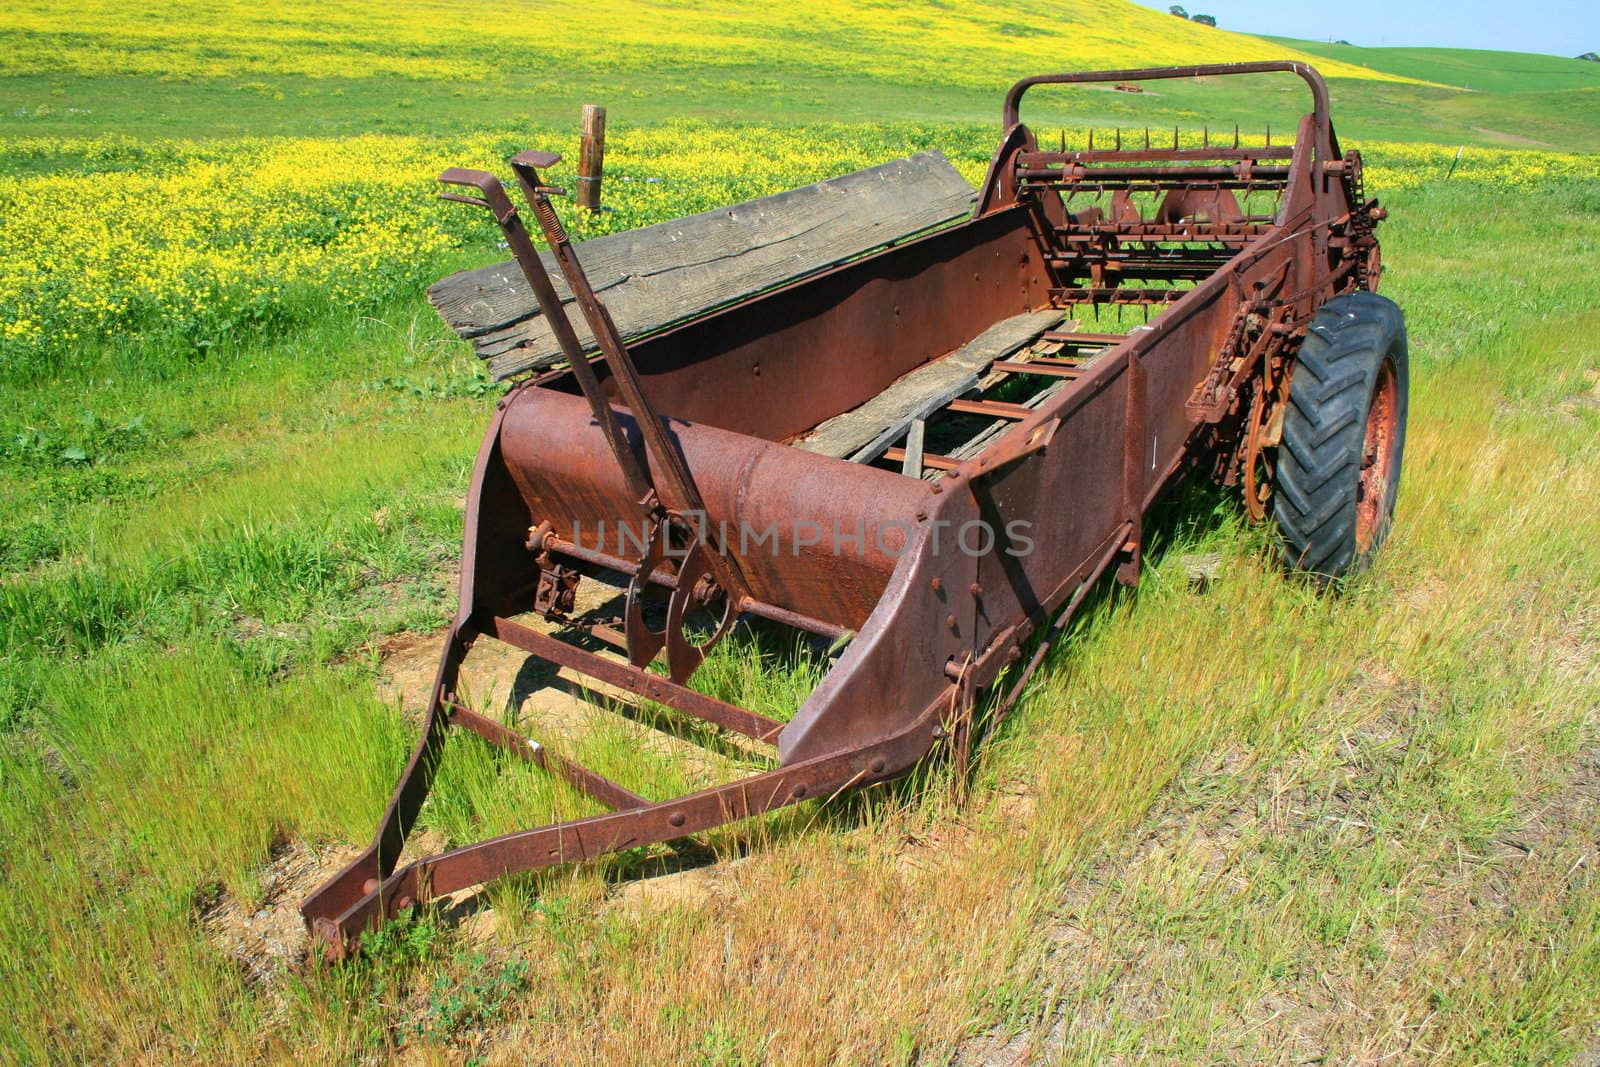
(1356, 342)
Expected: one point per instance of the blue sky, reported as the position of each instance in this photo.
(1558, 27)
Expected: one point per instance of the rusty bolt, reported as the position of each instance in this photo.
(976, 589)
(877, 766)
(937, 583)
(950, 621)
(369, 886)
(676, 818)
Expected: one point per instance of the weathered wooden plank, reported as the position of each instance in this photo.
(864, 432)
(912, 466)
(657, 275)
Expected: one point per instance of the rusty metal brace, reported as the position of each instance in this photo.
(702, 558)
(493, 196)
(957, 727)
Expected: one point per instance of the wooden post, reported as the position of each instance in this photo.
(592, 156)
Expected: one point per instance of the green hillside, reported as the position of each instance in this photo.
(1463, 68)
(87, 67)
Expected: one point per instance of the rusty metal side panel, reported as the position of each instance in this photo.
(923, 622)
(777, 509)
(780, 363)
(497, 572)
(1053, 508)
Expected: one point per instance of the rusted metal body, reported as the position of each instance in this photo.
(937, 567)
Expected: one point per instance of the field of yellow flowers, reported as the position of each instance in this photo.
(918, 43)
(188, 241)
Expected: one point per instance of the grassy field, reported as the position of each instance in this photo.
(1463, 68)
(1244, 824)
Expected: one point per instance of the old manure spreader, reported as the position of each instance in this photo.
(863, 410)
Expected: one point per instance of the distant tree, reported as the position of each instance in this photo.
(1204, 20)
(1591, 57)
(1347, 44)
(1177, 9)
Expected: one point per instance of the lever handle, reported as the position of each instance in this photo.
(494, 194)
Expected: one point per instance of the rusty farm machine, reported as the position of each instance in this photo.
(862, 411)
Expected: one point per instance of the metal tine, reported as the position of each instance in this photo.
(1147, 138)
(1205, 137)
(1091, 138)
(1269, 135)
(1174, 135)
(1236, 135)
(1119, 138)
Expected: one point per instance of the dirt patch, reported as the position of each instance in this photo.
(692, 888)
(267, 937)
(996, 1049)
(1517, 139)
(1585, 401)
(411, 661)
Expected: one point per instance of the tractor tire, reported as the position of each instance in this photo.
(1344, 433)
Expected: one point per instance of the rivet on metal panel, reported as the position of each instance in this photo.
(676, 818)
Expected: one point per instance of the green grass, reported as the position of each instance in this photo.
(172, 713)
(1464, 68)
(1248, 824)
(61, 106)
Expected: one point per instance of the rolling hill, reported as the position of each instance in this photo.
(88, 67)
(1461, 68)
